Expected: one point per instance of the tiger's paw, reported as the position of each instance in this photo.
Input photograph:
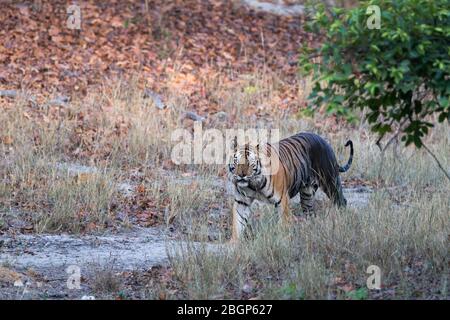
(298, 219)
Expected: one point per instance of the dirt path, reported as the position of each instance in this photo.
(129, 250)
(140, 248)
(36, 266)
(47, 257)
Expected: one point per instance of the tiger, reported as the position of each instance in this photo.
(274, 173)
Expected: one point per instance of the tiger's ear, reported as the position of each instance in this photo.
(234, 144)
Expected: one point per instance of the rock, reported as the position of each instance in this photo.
(221, 116)
(61, 101)
(8, 93)
(247, 288)
(126, 189)
(157, 100)
(193, 116)
(279, 8)
(81, 174)
(18, 283)
(76, 169)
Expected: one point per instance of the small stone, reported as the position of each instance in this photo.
(60, 101)
(18, 283)
(8, 93)
(221, 116)
(247, 288)
(126, 189)
(157, 100)
(193, 116)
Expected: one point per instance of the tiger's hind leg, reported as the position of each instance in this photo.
(333, 189)
(307, 198)
(340, 199)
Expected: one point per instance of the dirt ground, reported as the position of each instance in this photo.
(39, 262)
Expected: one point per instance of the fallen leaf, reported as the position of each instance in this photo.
(9, 276)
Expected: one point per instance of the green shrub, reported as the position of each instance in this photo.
(398, 74)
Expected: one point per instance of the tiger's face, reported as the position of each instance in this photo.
(245, 167)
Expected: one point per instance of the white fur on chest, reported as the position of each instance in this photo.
(250, 193)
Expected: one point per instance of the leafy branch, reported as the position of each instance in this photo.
(399, 74)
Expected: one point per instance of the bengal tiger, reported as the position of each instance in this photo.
(274, 173)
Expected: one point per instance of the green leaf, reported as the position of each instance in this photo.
(443, 116)
(380, 71)
(291, 291)
(358, 294)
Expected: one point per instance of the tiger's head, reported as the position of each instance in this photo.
(245, 166)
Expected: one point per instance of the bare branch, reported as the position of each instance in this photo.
(437, 161)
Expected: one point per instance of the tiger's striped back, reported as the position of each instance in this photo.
(307, 159)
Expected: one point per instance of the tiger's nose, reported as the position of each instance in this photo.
(241, 174)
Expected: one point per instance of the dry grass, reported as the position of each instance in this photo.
(404, 229)
(32, 178)
(106, 281)
(407, 239)
(111, 133)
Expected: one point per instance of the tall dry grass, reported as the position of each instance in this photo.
(403, 229)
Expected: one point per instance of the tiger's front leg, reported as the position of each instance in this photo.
(283, 210)
(241, 215)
